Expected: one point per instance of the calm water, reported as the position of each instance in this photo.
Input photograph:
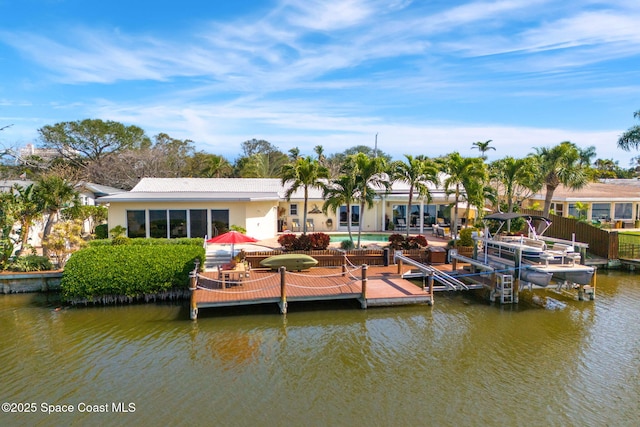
(462, 362)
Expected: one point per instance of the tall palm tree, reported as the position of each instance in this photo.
(307, 173)
(461, 172)
(341, 191)
(54, 194)
(418, 172)
(561, 164)
(483, 147)
(370, 174)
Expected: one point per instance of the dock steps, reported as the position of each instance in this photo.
(504, 288)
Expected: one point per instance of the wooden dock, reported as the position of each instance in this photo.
(370, 285)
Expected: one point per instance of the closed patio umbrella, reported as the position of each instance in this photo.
(231, 238)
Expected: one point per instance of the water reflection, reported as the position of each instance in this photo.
(460, 362)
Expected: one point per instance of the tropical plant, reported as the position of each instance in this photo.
(65, 238)
(483, 147)
(561, 164)
(515, 179)
(418, 172)
(369, 174)
(305, 173)
(341, 191)
(8, 217)
(54, 194)
(29, 210)
(461, 172)
(631, 138)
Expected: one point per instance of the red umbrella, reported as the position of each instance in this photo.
(232, 237)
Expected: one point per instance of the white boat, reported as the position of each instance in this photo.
(537, 262)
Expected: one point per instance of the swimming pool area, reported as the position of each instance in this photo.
(367, 237)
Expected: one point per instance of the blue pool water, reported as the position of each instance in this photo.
(369, 237)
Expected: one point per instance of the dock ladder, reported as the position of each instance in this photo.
(504, 287)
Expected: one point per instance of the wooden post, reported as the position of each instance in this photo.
(193, 286)
(430, 285)
(399, 266)
(344, 268)
(283, 290)
(365, 267)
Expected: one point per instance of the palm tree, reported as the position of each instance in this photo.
(369, 173)
(561, 164)
(631, 138)
(54, 193)
(515, 179)
(461, 172)
(29, 208)
(341, 191)
(307, 173)
(483, 147)
(417, 172)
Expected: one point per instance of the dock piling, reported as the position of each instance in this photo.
(283, 290)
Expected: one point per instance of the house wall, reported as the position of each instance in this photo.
(258, 217)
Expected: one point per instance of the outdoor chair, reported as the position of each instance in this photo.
(295, 225)
(402, 224)
(310, 226)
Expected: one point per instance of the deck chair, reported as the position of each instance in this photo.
(402, 224)
(310, 225)
(295, 225)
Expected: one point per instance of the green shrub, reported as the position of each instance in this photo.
(347, 245)
(120, 240)
(465, 236)
(102, 231)
(30, 263)
(99, 272)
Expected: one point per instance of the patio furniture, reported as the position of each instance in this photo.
(310, 225)
(232, 276)
(401, 224)
(295, 225)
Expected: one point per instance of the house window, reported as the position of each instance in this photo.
(293, 209)
(399, 213)
(355, 215)
(136, 224)
(178, 224)
(601, 211)
(158, 224)
(219, 221)
(197, 222)
(623, 210)
(557, 208)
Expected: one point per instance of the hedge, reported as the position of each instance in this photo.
(125, 273)
(196, 241)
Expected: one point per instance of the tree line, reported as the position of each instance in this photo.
(117, 155)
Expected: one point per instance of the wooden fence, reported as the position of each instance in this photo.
(334, 258)
(602, 243)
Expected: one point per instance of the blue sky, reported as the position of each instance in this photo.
(429, 77)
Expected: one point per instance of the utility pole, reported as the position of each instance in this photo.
(375, 150)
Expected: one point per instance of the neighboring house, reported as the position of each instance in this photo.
(617, 202)
(198, 207)
(88, 192)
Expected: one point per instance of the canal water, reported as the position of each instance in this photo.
(461, 362)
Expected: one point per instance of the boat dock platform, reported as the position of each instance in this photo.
(372, 286)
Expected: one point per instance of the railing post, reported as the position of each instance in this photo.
(283, 290)
(193, 286)
(365, 267)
